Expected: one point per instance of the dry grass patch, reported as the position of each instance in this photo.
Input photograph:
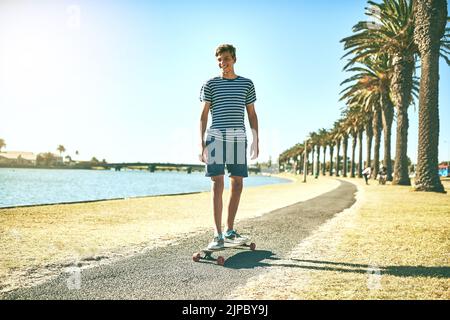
(394, 244)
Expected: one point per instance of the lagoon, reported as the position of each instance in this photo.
(20, 187)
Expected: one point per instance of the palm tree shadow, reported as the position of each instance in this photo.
(255, 259)
(398, 271)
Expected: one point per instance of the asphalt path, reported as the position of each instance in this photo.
(170, 273)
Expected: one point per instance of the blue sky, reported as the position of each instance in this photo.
(120, 79)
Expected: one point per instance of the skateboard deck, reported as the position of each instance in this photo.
(206, 254)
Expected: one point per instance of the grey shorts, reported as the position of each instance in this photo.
(233, 155)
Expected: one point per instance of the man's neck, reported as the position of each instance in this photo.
(229, 75)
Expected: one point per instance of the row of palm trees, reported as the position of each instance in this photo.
(383, 55)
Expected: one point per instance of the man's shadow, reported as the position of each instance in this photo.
(263, 258)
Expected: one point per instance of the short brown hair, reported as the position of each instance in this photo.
(226, 48)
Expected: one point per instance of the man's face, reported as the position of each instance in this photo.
(226, 62)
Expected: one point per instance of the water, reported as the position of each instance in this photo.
(43, 186)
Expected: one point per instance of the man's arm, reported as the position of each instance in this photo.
(253, 119)
(203, 123)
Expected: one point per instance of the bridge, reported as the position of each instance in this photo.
(152, 167)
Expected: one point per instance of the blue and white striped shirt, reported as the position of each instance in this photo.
(229, 98)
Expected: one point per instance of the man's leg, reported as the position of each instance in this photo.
(236, 186)
(217, 186)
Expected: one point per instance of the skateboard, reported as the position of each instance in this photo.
(206, 254)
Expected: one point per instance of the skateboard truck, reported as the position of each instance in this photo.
(220, 260)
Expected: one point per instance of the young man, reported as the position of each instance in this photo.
(227, 97)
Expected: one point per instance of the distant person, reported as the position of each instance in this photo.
(366, 174)
(227, 97)
(382, 175)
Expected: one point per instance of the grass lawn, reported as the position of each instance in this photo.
(393, 244)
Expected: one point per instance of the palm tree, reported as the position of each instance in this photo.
(430, 21)
(354, 126)
(360, 150)
(377, 128)
(2, 144)
(392, 34)
(387, 116)
(61, 149)
(344, 147)
(324, 142)
(314, 141)
(319, 138)
(369, 139)
(331, 142)
(354, 134)
(337, 136)
(371, 91)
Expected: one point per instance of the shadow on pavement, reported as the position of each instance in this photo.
(398, 271)
(249, 259)
(255, 259)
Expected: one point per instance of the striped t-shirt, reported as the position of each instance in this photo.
(229, 98)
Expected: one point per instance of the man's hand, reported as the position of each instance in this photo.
(254, 150)
(203, 155)
(253, 119)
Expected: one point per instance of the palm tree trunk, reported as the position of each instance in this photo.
(377, 127)
(360, 153)
(317, 162)
(338, 148)
(331, 158)
(387, 116)
(430, 16)
(313, 147)
(369, 138)
(316, 173)
(353, 164)
(344, 156)
(401, 87)
(324, 156)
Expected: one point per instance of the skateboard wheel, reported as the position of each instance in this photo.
(196, 257)
(252, 246)
(220, 261)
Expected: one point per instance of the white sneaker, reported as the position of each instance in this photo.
(217, 243)
(235, 238)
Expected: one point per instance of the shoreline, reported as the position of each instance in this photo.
(39, 242)
(134, 197)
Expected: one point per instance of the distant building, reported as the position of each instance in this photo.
(49, 158)
(17, 157)
(444, 170)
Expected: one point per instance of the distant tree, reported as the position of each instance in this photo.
(94, 160)
(2, 144)
(47, 159)
(61, 149)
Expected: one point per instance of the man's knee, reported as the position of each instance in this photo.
(237, 184)
(217, 181)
